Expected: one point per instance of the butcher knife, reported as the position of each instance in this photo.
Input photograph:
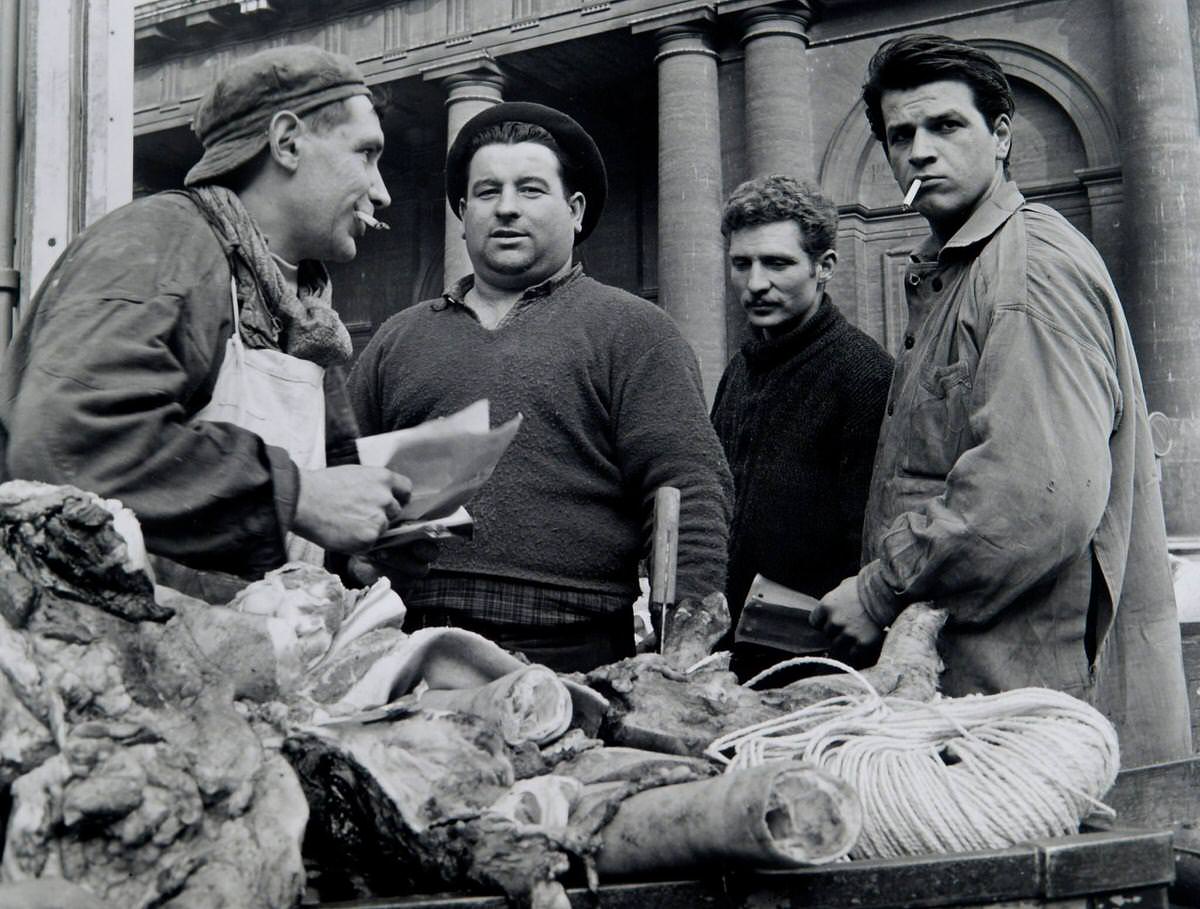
(778, 616)
(664, 557)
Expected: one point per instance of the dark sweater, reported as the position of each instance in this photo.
(799, 417)
(613, 408)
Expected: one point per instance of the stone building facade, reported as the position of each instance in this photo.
(687, 99)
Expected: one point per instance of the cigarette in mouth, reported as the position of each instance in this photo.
(370, 221)
(913, 189)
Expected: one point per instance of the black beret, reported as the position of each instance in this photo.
(588, 171)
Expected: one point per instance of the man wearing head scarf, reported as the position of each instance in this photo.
(183, 354)
(609, 389)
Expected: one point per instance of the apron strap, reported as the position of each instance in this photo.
(237, 315)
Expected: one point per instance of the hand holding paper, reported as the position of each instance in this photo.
(447, 460)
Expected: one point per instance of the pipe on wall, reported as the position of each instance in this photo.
(10, 67)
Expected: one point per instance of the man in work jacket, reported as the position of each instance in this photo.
(129, 374)
(1014, 481)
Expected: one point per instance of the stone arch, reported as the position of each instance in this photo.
(847, 154)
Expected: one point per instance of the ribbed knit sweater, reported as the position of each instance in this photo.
(613, 408)
(799, 416)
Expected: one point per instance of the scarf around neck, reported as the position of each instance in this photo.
(303, 324)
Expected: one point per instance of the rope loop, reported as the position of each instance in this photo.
(952, 774)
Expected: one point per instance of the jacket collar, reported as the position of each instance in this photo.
(988, 217)
(763, 353)
(458, 293)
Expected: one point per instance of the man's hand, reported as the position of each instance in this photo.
(345, 509)
(402, 564)
(845, 621)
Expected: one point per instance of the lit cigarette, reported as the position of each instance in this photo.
(370, 222)
(913, 189)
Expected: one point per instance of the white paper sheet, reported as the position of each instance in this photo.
(447, 459)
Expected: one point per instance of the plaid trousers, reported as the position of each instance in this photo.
(566, 629)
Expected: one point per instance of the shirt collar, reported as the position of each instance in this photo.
(458, 293)
(990, 214)
(765, 352)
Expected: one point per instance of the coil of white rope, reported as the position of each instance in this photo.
(953, 774)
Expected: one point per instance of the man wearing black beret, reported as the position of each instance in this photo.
(610, 392)
(183, 355)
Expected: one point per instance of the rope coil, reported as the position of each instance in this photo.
(953, 774)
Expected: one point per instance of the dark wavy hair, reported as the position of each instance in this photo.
(514, 132)
(914, 60)
(778, 197)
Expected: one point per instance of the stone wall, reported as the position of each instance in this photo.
(784, 96)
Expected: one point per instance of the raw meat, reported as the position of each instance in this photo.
(653, 705)
(779, 816)
(138, 781)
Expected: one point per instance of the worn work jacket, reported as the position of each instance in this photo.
(118, 353)
(1014, 481)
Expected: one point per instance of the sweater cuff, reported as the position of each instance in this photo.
(877, 598)
(285, 485)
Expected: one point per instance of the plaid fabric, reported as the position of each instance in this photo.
(505, 602)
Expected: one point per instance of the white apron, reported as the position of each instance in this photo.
(278, 397)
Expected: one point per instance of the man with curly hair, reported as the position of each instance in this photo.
(799, 406)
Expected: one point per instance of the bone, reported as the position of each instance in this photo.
(529, 704)
(775, 816)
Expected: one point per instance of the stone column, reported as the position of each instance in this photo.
(691, 250)
(1160, 161)
(1194, 17)
(778, 126)
(468, 91)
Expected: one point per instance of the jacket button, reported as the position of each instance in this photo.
(909, 341)
(937, 283)
(891, 407)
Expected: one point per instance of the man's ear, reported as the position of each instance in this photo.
(1003, 133)
(578, 205)
(283, 134)
(826, 265)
